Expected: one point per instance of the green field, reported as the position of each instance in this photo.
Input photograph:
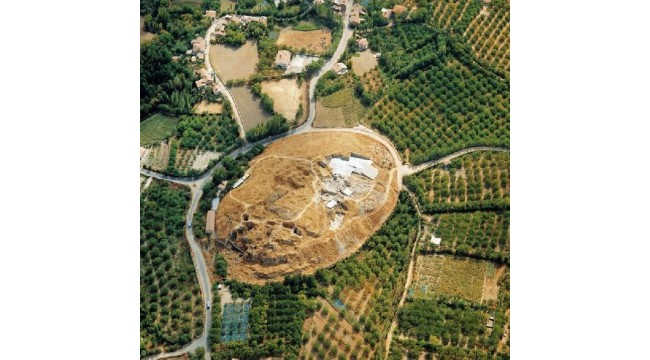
(157, 128)
(306, 26)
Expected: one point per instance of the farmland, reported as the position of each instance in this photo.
(363, 63)
(451, 277)
(171, 309)
(287, 97)
(484, 235)
(440, 99)
(157, 128)
(193, 143)
(231, 63)
(456, 329)
(340, 109)
(312, 41)
(471, 182)
(379, 271)
(250, 107)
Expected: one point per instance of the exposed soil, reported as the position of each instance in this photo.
(276, 223)
(144, 35)
(317, 41)
(491, 287)
(202, 160)
(363, 63)
(234, 62)
(286, 96)
(206, 107)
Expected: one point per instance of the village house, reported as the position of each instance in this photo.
(340, 68)
(282, 59)
(212, 14)
(198, 45)
(339, 6)
(356, 13)
(362, 44)
(386, 13)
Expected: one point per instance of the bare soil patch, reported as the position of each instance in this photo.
(286, 96)
(206, 107)
(144, 35)
(277, 222)
(202, 160)
(234, 62)
(317, 41)
(363, 63)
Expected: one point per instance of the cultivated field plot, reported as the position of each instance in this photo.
(170, 297)
(431, 109)
(341, 109)
(314, 41)
(482, 234)
(287, 96)
(278, 223)
(489, 34)
(250, 107)
(157, 128)
(232, 63)
(332, 337)
(479, 180)
(234, 322)
(363, 63)
(370, 283)
(206, 107)
(228, 6)
(197, 139)
(457, 329)
(437, 275)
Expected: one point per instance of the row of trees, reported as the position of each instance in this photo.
(171, 310)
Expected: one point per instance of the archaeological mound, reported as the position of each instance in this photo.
(306, 202)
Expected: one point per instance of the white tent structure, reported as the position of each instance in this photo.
(345, 168)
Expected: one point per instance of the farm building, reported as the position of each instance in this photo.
(200, 83)
(198, 45)
(209, 222)
(355, 14)
(435, 240)
(340, 68)
(211, 14)
(299, 62)
(283, 59)
(347, 192)
(363, 44)
(200, 56)
(345, 167)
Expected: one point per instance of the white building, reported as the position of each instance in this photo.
(345, 168)
(332, 203)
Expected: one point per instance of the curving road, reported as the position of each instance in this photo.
(196, 183)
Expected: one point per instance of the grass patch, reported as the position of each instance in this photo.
(306, 26)
(450, 276)
(157, 128)
(353, 110)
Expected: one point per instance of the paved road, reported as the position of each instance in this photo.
(220, 85)
(409, 169)
(196, 183)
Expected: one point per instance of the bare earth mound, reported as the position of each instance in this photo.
(278, 221)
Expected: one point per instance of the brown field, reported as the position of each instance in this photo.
(206, 107)
(363, 63)
(341, 109)
(276, 223)
(317, 41)
(228, 5)
(341, 334)
(234, 63)
(250, 107)
(144, 35)
(287, 96)
(327, 117)
(157, 158)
